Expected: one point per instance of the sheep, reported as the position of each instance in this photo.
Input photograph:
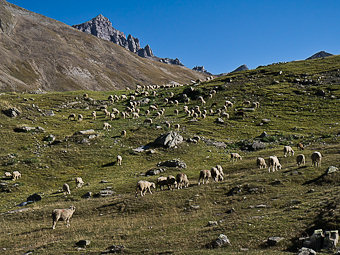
(216, 175)
(204, 175)
(107, 113)
(176, 111)
(300, 146)
(94, 115)
(274, 164)
(161, 181)
(287, 150)
(227, 103)
(8, 175)
(182, 181)
(80, 117)
(79, 182)
(316, 159)
(85, 96)
(235, 156)
(256, 104)
(147, 112)
(177, 127)
(167, 124)
(300, 159)
(124, 114)
(202, 100)
(110, 98)
(135, 115)
(176, 102)
(148, 121)
(247, 103)
(62, 214)
(66, 189)
(171, 182)
(119, 160)
(144, 186)
(261, 163)
(72, 116)
(112, 116)
(16, 175)
(123, 133)
(106, 126)
(220, 169)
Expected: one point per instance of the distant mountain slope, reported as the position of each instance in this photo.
(320, 54)
(39, 53)
(241, 68)
(101, 27)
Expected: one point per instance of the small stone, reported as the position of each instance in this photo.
(274, 240)
(265, 121)
(212, 223)
(221, 241)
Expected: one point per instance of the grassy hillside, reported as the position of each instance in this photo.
(302, 104)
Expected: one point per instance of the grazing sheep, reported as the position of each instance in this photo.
(72, 116)
(107, 113)
(256, 105)
(177, 127)
(161, 182)
(144, 186)
(106, 126)
(79, 182)
(94, 115)
(123, 133)
(171, 182)
(182, 181)
(66, 189)
(176, 111)
(204, 175)
(112, 116)
(216, 175)
(110, 98)
(228, 103)
(235, 156)
(261, 163)
(274, 163)
(16, 175)
(300, 159)
(80, 117)
(247, 103)
(8, 175)
(148, 121)
(135, 115)
(287, 150)
(119, 160)
(220, 169)
(167, 124)
(85, 96)
(316, 159)
(300, 146)
(62, 214)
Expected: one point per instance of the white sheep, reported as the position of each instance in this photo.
(8, 175)
(112, 116)
(182, 181)
(274, 163)
(72, 116)
(79, 182)
(261, 163)
(148, 121)
(62, 214)
(94, 115)
(106, 126)
(220, 168)
(316, 159)
(177, 127)
(288, 151)
(123, 133)
(80, 117)
(216, 175)
(176, 111)
(119, 160)
(235, 156)
(66, 189)
(144, 186)
(204, 175)
(16, 175)
(300, 159)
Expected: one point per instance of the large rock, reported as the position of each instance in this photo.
(154, 171)
(315, 241)
(173, 163)
(331, 169)
(34, 198)
(274, 240)
(11, 112)
(26, 129)
(221, 241)
(114, 249)
(306, 251)
(170, 140)
(83, 243)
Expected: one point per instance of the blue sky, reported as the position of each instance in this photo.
(220, 34)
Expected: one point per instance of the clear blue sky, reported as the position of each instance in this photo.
(219, 34)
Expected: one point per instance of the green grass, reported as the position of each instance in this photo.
(164, 221)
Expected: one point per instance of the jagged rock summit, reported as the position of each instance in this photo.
(201, 69)
(241, 68)
(320, 54)
(101, 27)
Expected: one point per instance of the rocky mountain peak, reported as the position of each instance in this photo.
(201, 69)
(320, 54)
(241, 68)
(101, 27)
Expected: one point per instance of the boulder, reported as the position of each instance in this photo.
(11, 112)
(87, 195)
(264, 134)
(49, 113)
(173, 163)
(154, 171)
(256, 146)
(274, 240)
(105, 193)
(315, 241)
(34, 198)
(49, 138)
(114, 249)
(331, 239)
(169, 140)
(85, 132)
(221, 241)
(26, 129)
(331, 169)
(306, 251)
(265, 121)
(219, 121)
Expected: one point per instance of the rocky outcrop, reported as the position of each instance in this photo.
(241, 68)
(101, 27)
(201, 69)
(320, 54)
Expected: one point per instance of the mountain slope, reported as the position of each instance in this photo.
(39, 53)
(320, 54)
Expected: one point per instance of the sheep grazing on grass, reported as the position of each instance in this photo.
(135, 115)
(79, 182)
(112, 116)
(8, 175)
(220, 169)
(148, 121)
(123, 133)
(16, 175)
(228, 103)
(161, 182)
(106, 126)
(110, 98)
(144, 186)
(72, 116)
(167, 124)
(235, 156)
(182, 181)
(94, 115)
(119, 160)
(216, 175)
(274, 163)
(256, 105)
(316, 159)
(62, 214)
(204, 176)
(261, 163)
(171, 182)
(86, 96)
(300, 146)
(66, 189)
(80, 117)
(107, 113)
(300, 159)
(288, 151)
(176, 111)
(177, 127)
